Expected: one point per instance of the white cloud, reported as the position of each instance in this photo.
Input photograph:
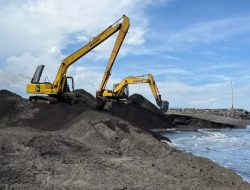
(204, 102)
(35, 31)
(171, 58)
(19, 70)
(34, 25)
(203, 33)
(87, 78)
(213, 31)
(212, 95)
(173, 72)
(219, 66)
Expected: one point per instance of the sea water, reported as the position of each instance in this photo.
(227, 147)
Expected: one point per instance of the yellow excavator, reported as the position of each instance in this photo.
(120, 91)
(60, 89)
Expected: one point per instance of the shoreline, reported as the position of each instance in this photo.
(194, 119)
(230, 144)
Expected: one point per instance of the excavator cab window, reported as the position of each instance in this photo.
(126, 91)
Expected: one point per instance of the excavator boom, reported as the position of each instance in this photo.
(120, 38)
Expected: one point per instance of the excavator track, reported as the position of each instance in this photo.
(53, 100)
(43, 99)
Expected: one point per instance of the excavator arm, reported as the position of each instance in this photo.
(154, 89)
(119, 40)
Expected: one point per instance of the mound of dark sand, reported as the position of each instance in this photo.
(103, 154)
(143, 102)
(76, 147)
(21, 112)
(16, 111)
(142, 113)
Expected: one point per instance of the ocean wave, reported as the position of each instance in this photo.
(212, 136)
(229, 148)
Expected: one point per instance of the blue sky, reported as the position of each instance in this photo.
(193, 48)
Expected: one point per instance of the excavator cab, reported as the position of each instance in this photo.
(38, 87)
(67, 81)
(125, 90)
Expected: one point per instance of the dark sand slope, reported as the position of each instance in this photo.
(76, 147)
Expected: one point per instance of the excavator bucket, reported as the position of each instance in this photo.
(163, 105)
(100, 102)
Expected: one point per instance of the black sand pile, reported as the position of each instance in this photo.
(76, 147)
(16, 111)
(21, 112)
